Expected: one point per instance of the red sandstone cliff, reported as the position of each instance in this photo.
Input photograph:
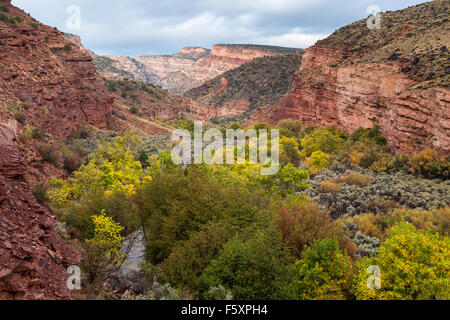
(46, 82)
(342, 86)
(49, 78)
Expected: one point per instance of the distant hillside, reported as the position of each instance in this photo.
(145, 100)
(280, 50)
(190, 67)
(106, 66)
(260, 82)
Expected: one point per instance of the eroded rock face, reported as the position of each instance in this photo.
(33, 257)
(46, 82)
(354, 95)
(50, 76)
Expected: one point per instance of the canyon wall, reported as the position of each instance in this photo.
(361, 94)
(397, 76)
(33, 257)
(46, 82)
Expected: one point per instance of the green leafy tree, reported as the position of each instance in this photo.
(289, 151)
(251, 269)
(324, 273)
(103, 249)
(187, 260)
(110, 169)
(321, 139)
(288, 180)
(178, 204)
(317, 161)
(414, 264)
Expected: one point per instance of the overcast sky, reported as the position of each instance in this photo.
(133, 27)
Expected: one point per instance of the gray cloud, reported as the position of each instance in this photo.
(135, 27)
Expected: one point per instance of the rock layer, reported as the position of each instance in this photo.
(48, 78)
(45, 82)
(33, 257)
(342, 87)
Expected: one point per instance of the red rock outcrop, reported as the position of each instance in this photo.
(46, 82)
(33, 257)
(48, 78)
(341, 87)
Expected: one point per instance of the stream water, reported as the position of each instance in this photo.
(135, 245)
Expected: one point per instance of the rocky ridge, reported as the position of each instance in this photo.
(46, 82)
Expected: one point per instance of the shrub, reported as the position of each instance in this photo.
(40, 194)
(365, 153)
(290, 128)
(37, 133)
(329, 187)
(373, 134)
(413, 263)
(20, 116)
(318, 160)
(236, 126)
(49, 153)
(378, 226)
(4, 8)
(103, 249)
(427, 164)
(355, 179)
(134, 110)
(301, 223)
(187, 261)
(288, 180)
(289, 152)
(72, 159)
(324, 273)
(68, 47)
(82, 132)
(258, 268)
(321, 139)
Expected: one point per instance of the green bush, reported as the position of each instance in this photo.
(187, 261)
(178, 204)
(326, 140)
(429, 165)
(414, 265)
(72, 159)
(257, 268)
(134, 110)
(4, 8)
(324, 273)
(40, 194)
(20, 116)
(37, 133)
